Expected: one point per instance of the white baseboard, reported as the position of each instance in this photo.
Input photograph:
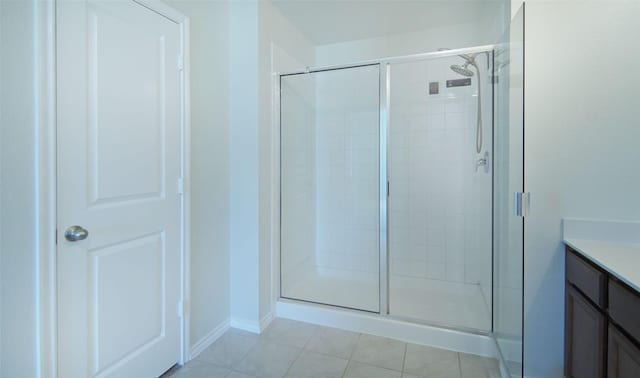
(208, 339)
(265, 321)
(252, 326)
(357, 321)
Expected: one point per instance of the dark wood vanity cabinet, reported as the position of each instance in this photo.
(585, 337)
(585, 319)
(623, 355)
(602, 322)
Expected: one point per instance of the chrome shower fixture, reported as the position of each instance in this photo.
(462, 70)
(470, 60)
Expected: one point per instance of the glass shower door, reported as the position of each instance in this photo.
(508, 229)
(440, 179)
(330, 204)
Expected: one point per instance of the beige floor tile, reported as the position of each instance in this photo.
(315, 365)
(198, 369)
(473, 366)
(289, 332)
(360, 370)
(235, 374)
(268, 359)
(229, 349)
(380, 351)
(430, 362)
(334, 342)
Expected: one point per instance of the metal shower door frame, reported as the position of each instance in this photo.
(384, 125)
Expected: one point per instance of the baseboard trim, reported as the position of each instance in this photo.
(373, 324)
(209, 339)
(265, 321)
(246, 325)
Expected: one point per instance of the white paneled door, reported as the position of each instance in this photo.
(119, 163)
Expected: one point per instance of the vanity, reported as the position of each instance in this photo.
(602, 300)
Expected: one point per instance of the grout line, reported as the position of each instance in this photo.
(345, 369)
(349, 360)
(404, 358)
(325, 354)
(355, 347)
(300, 353)
(316, 329)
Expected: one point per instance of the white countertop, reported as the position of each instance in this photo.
(621, 260)
(613, 246)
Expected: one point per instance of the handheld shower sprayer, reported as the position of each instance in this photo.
(470, 60)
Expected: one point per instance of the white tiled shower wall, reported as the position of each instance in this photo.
(298, 176)
(330, 179)
(439, 205)
(347, 169)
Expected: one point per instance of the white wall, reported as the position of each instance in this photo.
(581, 150)
(243, 147)
(24, 341)
(259, 36)
(19, 351)
(281, 48)
(486, 29)
(209, 164)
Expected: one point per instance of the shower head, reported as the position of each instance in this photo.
(462, 70)
(470, 59)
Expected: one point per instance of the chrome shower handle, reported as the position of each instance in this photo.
(483, 161)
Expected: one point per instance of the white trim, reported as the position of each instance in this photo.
(252, 326)
(265, 321)
(45, 134)
(245, 325)
(358, 321)
(209, 339)
(186, 197)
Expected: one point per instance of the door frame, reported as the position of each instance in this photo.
(45, 232)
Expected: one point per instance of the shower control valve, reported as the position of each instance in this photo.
(483, 162)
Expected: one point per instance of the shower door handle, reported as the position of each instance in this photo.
(521, 203)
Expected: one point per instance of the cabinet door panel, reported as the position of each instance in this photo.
(585, 329)
(624, 308)
(624, 356)
(589, 279)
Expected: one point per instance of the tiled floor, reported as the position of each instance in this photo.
(293, 349)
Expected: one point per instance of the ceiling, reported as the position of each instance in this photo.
(332, 21)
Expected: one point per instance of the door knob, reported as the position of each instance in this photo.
(75, 233)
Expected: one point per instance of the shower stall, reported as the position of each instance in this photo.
(390, 197)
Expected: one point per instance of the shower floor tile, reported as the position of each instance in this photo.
(447, 303)
(269, 355)
(337, 287)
